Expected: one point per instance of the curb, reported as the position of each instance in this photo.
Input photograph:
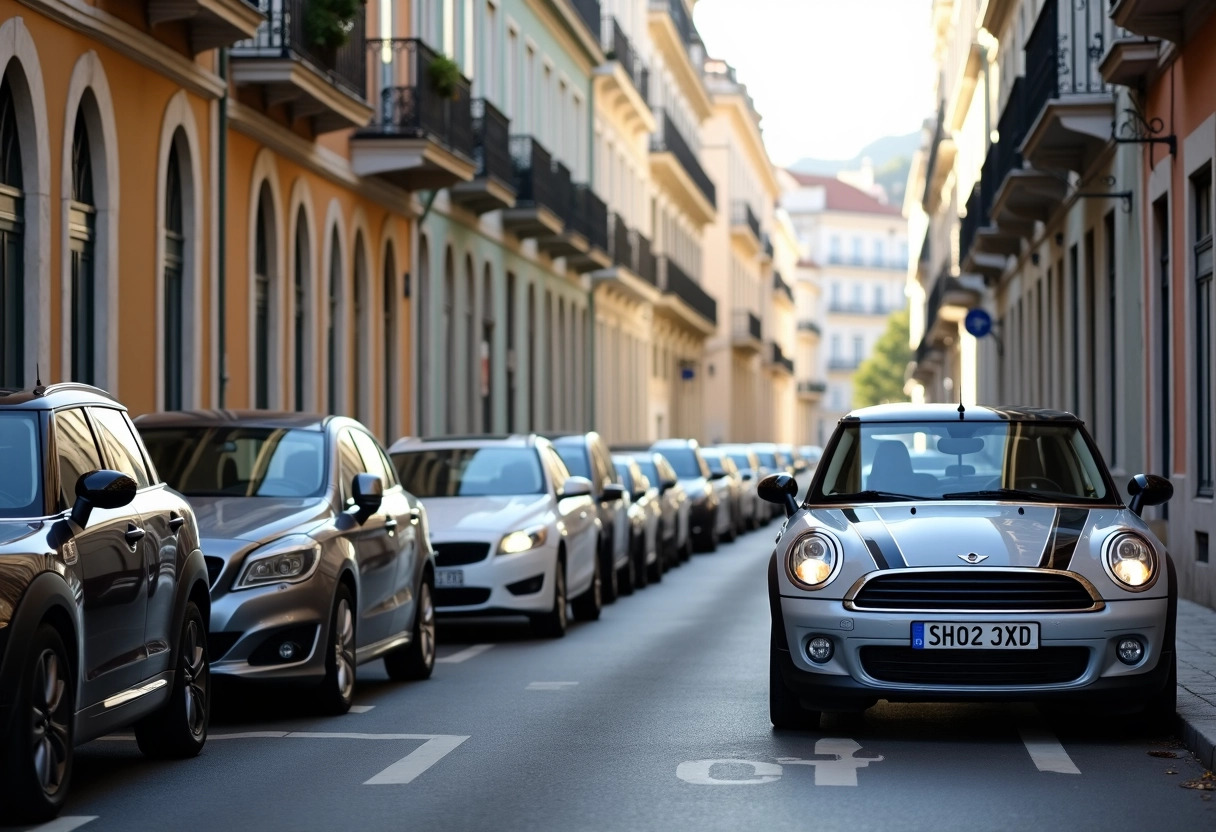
(1197, 727)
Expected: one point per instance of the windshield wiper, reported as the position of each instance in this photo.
(879, 496)
(998, 494)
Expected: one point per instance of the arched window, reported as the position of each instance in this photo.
(472, 373)
(533, 345)
(299, 284)
(389, 375)
(361, 333)
(422, 302)
(558, 346)
(331, 324)
(173, 347)
(449, 338)
(82, 241)
(485, 356)
(12, 243)
(512, 352)
(262, 266)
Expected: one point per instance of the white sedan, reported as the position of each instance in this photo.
(513, 532)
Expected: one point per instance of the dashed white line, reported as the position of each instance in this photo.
(409, 767)
(465, 654)
(360, 709)
(551, 685)
(1046, 752)
(64, 824)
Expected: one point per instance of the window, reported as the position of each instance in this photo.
(261, 300)
(118, 444)
(512, 74)
(859, 349)
(390, 344)
(857, 248)
(1201, 192)
(361, 332)
(836, 351)
(1112, 341)
(835, 297)
(472, 472)
(82, 239)
(350, 464)
(373, 463)
(1161, 223)
(12, 245)
(175, 247)
(77, 452)
(880, 303)
(857, 301)
(299, 308)
(834, 252)
(879, 253)
(331, 324)
(201, 461)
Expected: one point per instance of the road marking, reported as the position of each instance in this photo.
(699, 772)
(1046, 752)
(551, 685)
(841, 769)
(360, 709)
(465, 654)
(64, 824)
(412, 765)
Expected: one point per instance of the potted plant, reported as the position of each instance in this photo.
(328, 23)
(444, 76)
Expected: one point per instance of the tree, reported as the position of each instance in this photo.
(880, 378)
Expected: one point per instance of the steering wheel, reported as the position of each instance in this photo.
(1036, 484)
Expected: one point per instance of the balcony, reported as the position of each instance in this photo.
(325, 87)
(857, 307)
(1166, 19)
(211, 23)
(1019, 194)
(589, 219)
(781, 289)
(766, 248)
(745, 226)
(674, 35)
(812, 390)
(841, 364)
(538, 208)
(779, 361)
(746, 334)
(419, 139)
(685, 297)
(949, 302)
(569, 240)
(493, 184)
(622, 83)
(974, 236)
(589, 13)
(1069, 106)
(1130, 62)
(675, 168)
(927, 361)
(632, 268)
(809, 328)
(942, 153)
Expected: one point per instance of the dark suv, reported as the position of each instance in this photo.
(704, 521)
(103, 595)
(587, 455)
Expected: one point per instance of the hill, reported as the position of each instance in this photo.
(881, 151)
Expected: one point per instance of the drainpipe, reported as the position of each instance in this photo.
(221, 350)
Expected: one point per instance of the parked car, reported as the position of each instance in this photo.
(103, 596)
(811, 453)
(587, 455)
(673, 528)
(755, 511)
(795, 459)
(1015, 573)
(706, 523)
(514, 533)
(318, 558)
(728, 484)
(645, 517)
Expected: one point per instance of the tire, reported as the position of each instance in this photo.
(587, 607)
(709, 540)
(416, 660)
(610, 589)
(654, 572)
(36, 751)
(337, 690)
(553, 623)
(179, 729)
(641, 576)
(626, 576)
(784, 710)
(1160, 712)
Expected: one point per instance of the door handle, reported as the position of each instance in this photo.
(134, 534)
(390, 523)
(176, 521)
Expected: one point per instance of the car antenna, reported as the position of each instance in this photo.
(961, 411)
(38, 388)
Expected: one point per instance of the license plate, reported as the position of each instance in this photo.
(962, 635)
(449, 577)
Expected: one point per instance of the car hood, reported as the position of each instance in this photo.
(936, 535)
(255, 519)
(12, 533)
(453, 515)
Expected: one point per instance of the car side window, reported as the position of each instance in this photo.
(118, 444)
(607, 470)
(373, 463)
(557, 469)
(77, 452)
(349, 464)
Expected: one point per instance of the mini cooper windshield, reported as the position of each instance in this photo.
(470, 472)
(239, 462)
(21, 487)
(1031, 461)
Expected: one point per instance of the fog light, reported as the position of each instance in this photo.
(1130, 650)
(819, 649)
(287, 651)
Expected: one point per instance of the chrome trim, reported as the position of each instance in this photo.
(134, 693)
(372, 651)
(1110, 573)
(851, 594)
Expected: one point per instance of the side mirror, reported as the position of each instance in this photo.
(1148, 490)
(781, 489)
(747, 475)
(575, 487)
(613, 492)
(667, 485)
(101, 489)
(367, 490)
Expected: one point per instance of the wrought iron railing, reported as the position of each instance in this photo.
(564, 194)
(779, 285)
(970, 223)
(741, 213)
(674, 281)
(284, 35)
(747, 325)
(681, 18)
(492, 143)
(809, 326)
(781, 359)
(647, 263)
(407, 102)
(1063, 54)
(621, 242)
(812, 387)
(591, 217)
(668, 139)
(767, 246)
(589, 13)
(534, 175)
(1011, 130)
(839, 362)
(618, 47)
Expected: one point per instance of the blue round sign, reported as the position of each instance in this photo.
(978, 322)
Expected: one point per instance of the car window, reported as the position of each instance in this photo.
(559, 472)
(715, 464)
(349, 465)
(687, 463)
(373, 463)
(76, 450)
(232, 461)
(649, 471)
(622, 472)
(20, 456)
(576, 460)
(470, 472)
(118, 445)
(600, 450)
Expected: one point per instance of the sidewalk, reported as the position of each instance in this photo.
(1197, 680)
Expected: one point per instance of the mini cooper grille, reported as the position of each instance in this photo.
(459, 554)
(214, 567)
(979, 590)
(460, 596)
(978, 668)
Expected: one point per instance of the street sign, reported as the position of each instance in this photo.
(978, 322)
(687, 373)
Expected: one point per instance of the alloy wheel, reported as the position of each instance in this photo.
(559, 594)
(426, 625)
(50, 722)
(197, 674)
(344, 649)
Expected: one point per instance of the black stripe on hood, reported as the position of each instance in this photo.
(1062, 541)
(877, 537)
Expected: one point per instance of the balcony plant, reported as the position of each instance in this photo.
(444, 75)
(329, 23)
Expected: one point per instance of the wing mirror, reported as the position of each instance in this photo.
(575, 487)
(612, 493)
(781, 489)
(667, 485)
(101, 489)
(747, 475)
(367, 491)
(1148, 490)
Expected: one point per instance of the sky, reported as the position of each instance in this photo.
(828, 76)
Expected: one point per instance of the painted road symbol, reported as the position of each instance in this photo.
(836, 764)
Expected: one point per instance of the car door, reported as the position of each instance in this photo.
(578, 516)
(111, 569)
(375, 552)
(618, 510)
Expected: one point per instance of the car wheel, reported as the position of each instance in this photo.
(36, 752)
(179, 728)
(553, 623)
(610, 588)
(686, 549)
(1161, 710)
(654, 571)
(626, 576)
(784, 709)
(640, 575)
(732, 530)
(416, 660)
(587, 606)
(337, 689)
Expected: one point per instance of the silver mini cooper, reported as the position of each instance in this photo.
(981, 554)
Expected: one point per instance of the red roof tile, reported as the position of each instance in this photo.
(842, 196)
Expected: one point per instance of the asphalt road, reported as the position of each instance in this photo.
(655, 717)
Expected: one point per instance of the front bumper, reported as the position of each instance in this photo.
(499, 584)
(850, 678)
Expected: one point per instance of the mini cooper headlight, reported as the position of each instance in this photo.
(523, 540)
(290, 560)
(1131, 561)
(813, 560)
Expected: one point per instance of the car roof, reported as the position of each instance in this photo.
(674, 443)
(515, 440)
(951, 413)
(47, 397)
(244, 418)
